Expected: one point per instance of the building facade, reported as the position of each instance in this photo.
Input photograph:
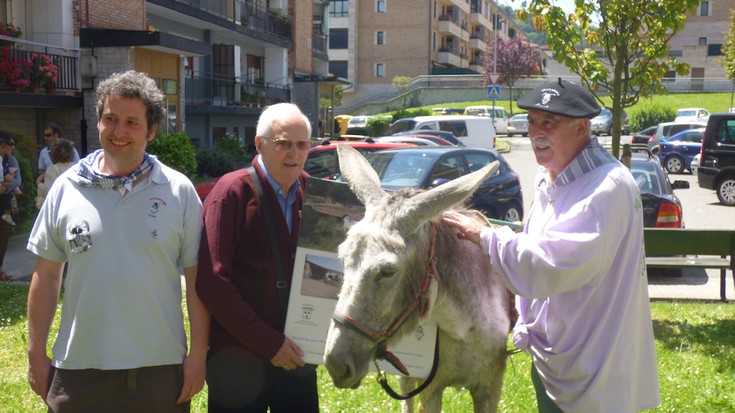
(373, 41)
(217, 61)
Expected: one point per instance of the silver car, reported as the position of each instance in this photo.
(518, 124)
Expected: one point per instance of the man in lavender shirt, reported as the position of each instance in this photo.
(578, 267)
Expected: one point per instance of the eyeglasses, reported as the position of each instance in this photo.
(47, 134)
(286, 145)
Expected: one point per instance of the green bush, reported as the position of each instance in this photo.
(226, 155)
(377, 125)
(651, 114)
(175, 150)
(409, 113)
(27, 200)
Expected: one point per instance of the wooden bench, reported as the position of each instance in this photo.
(692, 248)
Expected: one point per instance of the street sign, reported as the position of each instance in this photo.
(493, 77)
(493, 92)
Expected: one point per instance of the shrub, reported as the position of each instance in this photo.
(401, 82)
(651, 114)
(27, 200)
(226, 155)
(175, 150)
(377, 125)
(409, 113)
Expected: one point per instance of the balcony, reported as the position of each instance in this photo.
(447, 25)
(37, 75)
(319, 46)
(449, 56)
(209, 92)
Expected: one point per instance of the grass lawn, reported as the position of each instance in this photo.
(713, 102)
(695, 343)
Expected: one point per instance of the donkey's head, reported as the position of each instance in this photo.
(385, 259)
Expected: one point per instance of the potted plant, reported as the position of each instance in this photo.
(14, 71)
(9, 30)
(44, 72)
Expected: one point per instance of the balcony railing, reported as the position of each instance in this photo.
(29, 65)
(209, 89)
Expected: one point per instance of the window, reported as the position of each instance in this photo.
(703, 41)
(714, 49)
(704, 8)
(338, 68)
(338, 38)
(380, 37)
(339, 8)
(380, 6)
(380, 70)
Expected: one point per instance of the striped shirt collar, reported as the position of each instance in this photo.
(591, 157)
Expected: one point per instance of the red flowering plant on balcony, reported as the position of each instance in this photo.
(44, 72)
(14, 71)
(9, 30)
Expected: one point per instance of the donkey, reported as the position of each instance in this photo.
(386, 258)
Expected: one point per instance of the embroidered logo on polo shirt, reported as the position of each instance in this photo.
(156, 205)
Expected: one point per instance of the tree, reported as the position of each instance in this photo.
(727, 60)
(629, 52)
(516, 58)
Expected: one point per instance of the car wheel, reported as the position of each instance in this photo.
(674, 164)
(510, 135)
(609, 130)
(524, 135)
(511, 213)
(726, 190)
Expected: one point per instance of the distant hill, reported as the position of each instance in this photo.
(534, 36)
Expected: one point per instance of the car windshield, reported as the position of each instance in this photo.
(400, 126)
(401, 170)
(646, 177)
(686, 113)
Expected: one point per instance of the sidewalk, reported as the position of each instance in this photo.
(692, 285)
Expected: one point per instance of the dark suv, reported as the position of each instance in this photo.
(717, 163)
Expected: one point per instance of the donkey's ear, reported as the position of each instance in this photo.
(361, 177)
(430, 204)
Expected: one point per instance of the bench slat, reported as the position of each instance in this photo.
(684, 262)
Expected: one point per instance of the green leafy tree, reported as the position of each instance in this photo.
(629, 52)
(727, 60)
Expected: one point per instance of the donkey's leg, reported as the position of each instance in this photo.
(407, 384)
(486, 394)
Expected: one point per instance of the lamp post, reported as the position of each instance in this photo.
(496, 23)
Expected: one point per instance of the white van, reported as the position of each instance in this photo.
(501, 116)
(473, 131)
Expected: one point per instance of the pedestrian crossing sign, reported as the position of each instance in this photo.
(493, 92)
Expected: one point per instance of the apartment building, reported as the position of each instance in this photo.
(699, 44)
(217, 61)
(373, 41)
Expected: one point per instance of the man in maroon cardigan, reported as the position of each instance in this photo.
(252, 365)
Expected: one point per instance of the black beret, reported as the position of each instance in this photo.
(561, 98)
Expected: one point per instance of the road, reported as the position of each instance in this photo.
(701, 207)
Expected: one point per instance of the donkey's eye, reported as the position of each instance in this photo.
(386, 272)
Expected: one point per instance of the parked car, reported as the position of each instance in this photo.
(661, 206)
(717, 164)
(419, 139)
(498, 197)
(448, 111)
(497, 113)
(518, 124)
(692, 115)
(416, 140)
(644, 135)
(473, 131)
(446, 135)
(666, 129)
(357, 125)
(676, 152)
(694, 165)
(602, 123)
(322, 161)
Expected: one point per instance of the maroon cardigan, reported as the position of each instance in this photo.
(236, 279)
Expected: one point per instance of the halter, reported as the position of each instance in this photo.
(380, 338)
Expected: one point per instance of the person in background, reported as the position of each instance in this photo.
(125, 223)
(252, 366)
(51, 134)
(62, 155)
(578, 266)
(8, 187)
